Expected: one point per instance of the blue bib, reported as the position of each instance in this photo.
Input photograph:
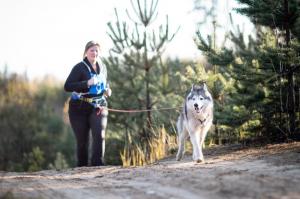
(100, 87)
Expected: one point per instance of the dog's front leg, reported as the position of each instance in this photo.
(202, 138)
(195, 139)
(203, 134)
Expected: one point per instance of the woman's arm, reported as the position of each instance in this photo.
(75, 80)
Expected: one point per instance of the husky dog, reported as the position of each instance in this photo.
(195, 120)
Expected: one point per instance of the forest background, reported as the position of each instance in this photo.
(254, 81)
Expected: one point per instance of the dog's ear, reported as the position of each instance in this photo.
(207, 93)
(204, 86)
(192, 88)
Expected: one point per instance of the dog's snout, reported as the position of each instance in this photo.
(196, 105)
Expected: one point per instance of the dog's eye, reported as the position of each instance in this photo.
(201, 98)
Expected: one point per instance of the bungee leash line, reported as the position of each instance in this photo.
(138, 111)
(94, 103)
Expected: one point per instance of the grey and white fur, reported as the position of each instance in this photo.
(195, 120)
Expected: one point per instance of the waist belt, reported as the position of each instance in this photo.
(95, 101)
(87, 99)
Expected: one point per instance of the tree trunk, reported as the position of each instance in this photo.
(147, 78)
(290, 76)
(148, 101)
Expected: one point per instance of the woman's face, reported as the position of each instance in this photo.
(92, 53)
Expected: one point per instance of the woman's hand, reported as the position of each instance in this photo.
(94, 80)
(107, 93)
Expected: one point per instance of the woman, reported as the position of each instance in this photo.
(87, 82)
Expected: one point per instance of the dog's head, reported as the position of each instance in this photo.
(198, 99)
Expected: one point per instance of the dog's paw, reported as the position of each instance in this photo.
(200, 161)
(179, 157)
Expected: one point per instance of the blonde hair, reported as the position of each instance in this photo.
(89, 45)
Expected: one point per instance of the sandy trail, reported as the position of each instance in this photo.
(231, 172)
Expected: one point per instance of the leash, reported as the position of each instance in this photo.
(100, 106)
(141, 110)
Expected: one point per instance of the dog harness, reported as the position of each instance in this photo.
(97, 89)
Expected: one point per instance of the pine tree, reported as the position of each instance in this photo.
(138, 48)
(264, 70)
(281, 16)
(215, 77)
(136, 70)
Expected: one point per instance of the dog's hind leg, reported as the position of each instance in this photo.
(181, 144)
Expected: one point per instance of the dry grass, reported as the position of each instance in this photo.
(156, 148)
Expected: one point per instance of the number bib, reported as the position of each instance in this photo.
(100, 87)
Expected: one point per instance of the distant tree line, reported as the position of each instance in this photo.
(33, 133)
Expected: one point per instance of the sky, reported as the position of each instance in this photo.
(47, 37)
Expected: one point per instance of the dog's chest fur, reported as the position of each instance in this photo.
(193, 124)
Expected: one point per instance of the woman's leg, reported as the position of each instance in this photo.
(98, 126)
(80, 126)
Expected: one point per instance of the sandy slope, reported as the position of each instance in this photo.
(272, 171)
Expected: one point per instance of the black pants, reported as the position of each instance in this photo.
(82, 121)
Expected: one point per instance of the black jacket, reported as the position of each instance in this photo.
(77, 81)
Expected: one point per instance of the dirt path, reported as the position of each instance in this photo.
(272, 171)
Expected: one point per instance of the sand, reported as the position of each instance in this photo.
(271, 171)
